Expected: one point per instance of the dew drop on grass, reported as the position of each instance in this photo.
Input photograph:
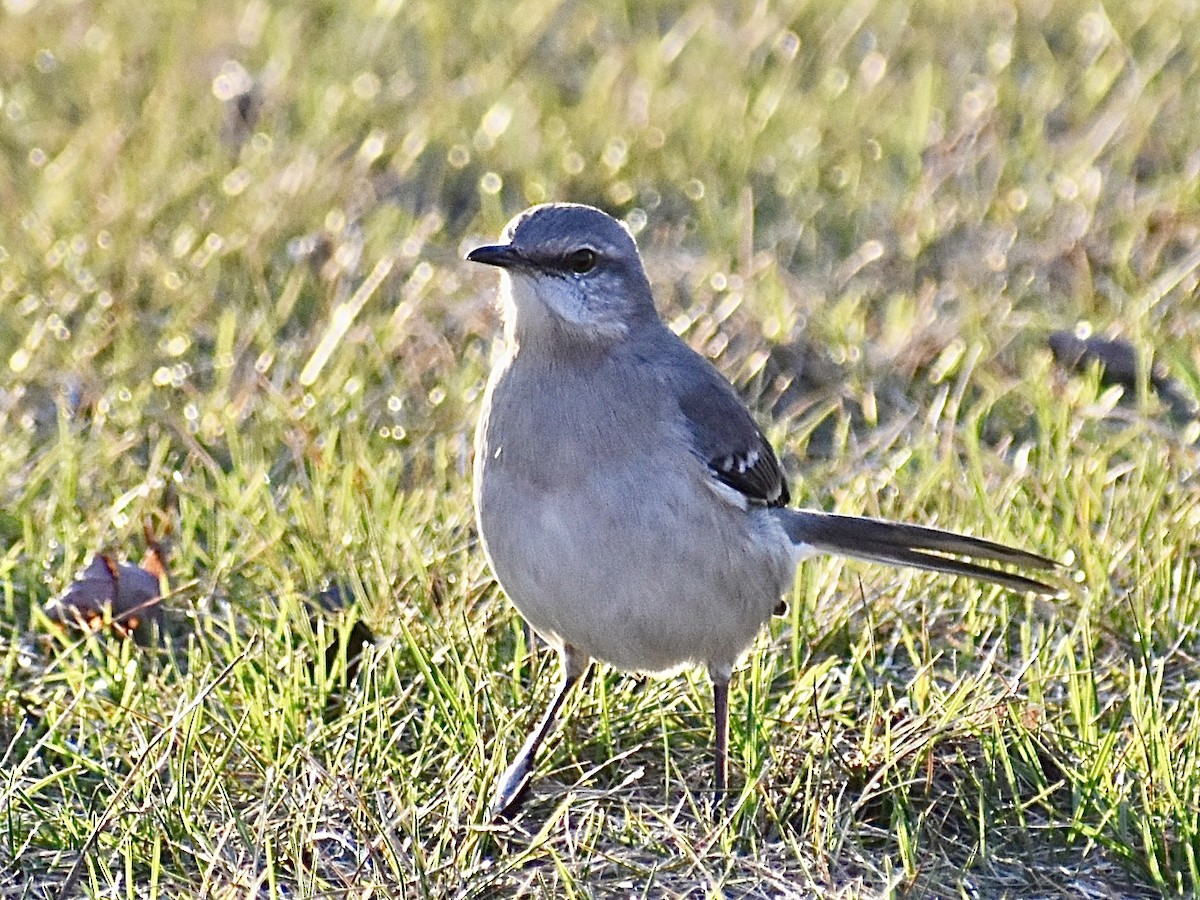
(999, 54)
(616, 151)
(872, 68)
(372, 147)
(787, 45)
(496, 120)
(491, 183)
(621, 192)
(535, 191)
(573, 163)
(365, 85)
(835, 81)
(232, 81)
(235, 182)
(46, 61)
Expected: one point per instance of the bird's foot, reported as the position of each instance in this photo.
(509, 792)
(720, 804)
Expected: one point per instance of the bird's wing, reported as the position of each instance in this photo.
(726, 438)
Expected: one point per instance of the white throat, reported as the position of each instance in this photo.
(534, 304)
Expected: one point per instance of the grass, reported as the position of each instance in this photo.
(233, 308)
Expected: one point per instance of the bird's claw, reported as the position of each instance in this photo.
(509, 791)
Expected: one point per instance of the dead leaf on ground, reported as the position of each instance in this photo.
(333, 601)
(1119, 365)
(120, 595)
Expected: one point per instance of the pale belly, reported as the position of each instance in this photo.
(645, 585)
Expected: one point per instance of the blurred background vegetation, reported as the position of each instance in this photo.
(233, 309)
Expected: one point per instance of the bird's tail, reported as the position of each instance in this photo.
(878, 540)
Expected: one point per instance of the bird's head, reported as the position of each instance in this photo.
(569, 270)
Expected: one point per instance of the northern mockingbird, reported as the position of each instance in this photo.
(628, 503)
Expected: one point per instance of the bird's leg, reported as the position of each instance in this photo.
(720, 682)
(506, 795)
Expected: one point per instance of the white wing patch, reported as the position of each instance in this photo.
(737, 463)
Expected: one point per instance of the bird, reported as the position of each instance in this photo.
(626, 500)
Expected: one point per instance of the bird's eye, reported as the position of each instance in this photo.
(581, 261)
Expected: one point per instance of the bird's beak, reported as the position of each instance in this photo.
(503, 255)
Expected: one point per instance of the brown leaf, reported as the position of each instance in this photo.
(1118, 359)
(1119, 365)
(155, 560)
(332, 602)
(108, 592)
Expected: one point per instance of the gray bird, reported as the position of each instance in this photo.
(629, 505)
